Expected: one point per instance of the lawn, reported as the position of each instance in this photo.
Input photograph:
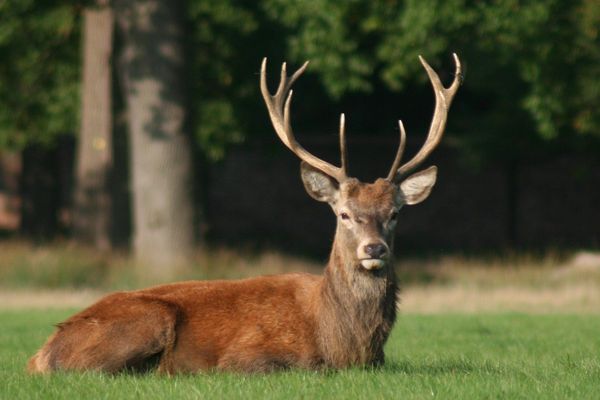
(447, 356)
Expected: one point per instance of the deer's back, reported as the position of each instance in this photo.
(259, 324)
(255, 324)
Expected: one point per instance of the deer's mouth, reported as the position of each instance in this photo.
(372, 263)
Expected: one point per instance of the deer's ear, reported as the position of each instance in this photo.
(319, 185)
(417, 187)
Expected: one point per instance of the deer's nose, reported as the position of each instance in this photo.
(376, 250)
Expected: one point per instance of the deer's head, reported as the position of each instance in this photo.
(366, 212)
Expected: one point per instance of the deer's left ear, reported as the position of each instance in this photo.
(417, 187)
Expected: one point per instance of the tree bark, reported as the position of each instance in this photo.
(152, 69)
(11, 167)
(92, 200)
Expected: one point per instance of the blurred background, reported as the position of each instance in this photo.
(135, 145)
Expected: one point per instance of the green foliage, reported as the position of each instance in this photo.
(331, 34)
(502, 356)
(39, 75)
(532, 68)
(217, 127)
(555, 51)
(220, 30)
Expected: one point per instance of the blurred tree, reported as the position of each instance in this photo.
(39, 102)
(531, 88)
(532, 67)
(92, 203)
(532, 84)
(152, 68)
(227, 39)
(535, 61)
(39, 77)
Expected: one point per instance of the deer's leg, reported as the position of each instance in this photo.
(130, 333)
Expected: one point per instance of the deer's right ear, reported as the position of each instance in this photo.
(318, 184)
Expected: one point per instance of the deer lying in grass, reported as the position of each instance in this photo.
(336, 320)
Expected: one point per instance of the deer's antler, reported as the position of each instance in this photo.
(443, 99)
(279, 111)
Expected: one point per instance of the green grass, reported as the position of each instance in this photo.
(434, 356)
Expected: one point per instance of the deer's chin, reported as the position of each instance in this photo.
(372, 263)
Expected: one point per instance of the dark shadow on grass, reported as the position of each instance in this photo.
(405, 367)
(441, 367)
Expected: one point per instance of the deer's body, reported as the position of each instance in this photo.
(252, 325)
(339, 319)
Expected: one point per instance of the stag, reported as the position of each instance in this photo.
(339, 319)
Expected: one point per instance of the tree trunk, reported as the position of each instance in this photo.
(152, 69)
(92, 213)
(11, 167)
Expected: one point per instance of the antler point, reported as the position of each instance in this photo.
(456, 60)
(401, 125)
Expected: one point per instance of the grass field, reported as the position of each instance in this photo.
(508, 326)
(447, 356)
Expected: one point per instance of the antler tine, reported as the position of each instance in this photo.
(343, 149)
(284, 83)
(281, 88)
(399, 154)
(279, 111)
(443, 99)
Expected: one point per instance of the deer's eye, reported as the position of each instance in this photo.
(344, 216)
(394, 216)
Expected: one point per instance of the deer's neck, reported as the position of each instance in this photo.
(358, 309)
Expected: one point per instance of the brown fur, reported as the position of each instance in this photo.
(340, 319)
(369, 196)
